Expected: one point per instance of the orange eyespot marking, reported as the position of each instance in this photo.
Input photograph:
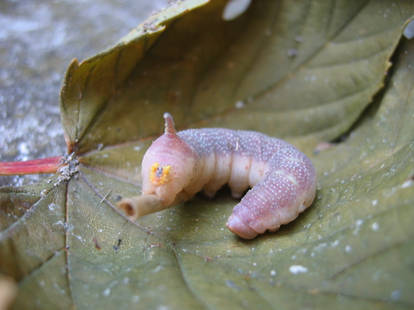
(160, 175)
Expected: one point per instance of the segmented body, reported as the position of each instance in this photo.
(282, 178)
(178, 165)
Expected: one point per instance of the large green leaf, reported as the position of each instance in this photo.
(304, 71)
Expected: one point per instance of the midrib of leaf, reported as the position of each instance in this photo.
(66, 248)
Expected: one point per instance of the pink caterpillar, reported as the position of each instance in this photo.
(180, 164)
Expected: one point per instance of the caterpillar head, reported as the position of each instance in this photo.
(168, 165)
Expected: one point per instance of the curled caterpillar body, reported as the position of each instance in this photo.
(180, 164)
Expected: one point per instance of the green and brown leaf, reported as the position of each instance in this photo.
(307, 71)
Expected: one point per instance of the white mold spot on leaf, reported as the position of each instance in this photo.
(407, 183)
(375, 226)
(239, 104)
(52, 206)
(296, 269)
(106, 292)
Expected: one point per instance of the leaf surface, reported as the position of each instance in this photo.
(303, 71)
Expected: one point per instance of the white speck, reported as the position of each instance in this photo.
(254, 264)
(407, 183)
(239, 104)
(59, 223)
(42, 283)
(375, 226)
(137, 148)
(24, 150)
(157, 269)
(272, 273)
(335, 243)
(126, 280)
(395, 295)
(100, 230)
(295, 269)
(348, 248)
(135, 298)
(52, 206)
(106, 292)
(374, 202)
(79, 238)
(358, 224)
(162, 308)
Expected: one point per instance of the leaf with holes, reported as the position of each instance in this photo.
(302, 71)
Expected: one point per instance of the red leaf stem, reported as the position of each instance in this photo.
(44, 165)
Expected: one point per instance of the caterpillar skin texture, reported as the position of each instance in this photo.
(180, 164)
